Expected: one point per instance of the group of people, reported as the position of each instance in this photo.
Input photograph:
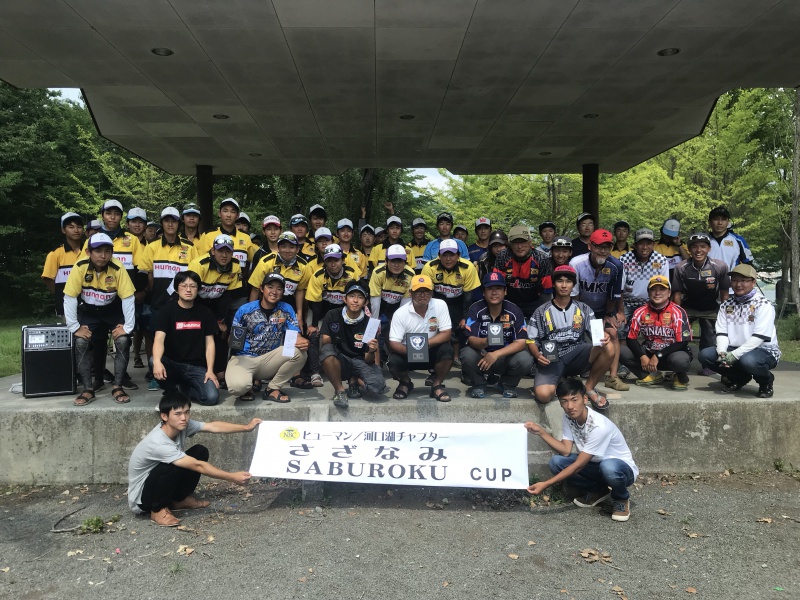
(213, 309)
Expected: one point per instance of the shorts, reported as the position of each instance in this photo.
(574, 362)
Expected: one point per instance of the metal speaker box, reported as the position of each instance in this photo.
(48, 366)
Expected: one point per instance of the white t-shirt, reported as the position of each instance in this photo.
(155, 448)
(599, 437)
(406, 320)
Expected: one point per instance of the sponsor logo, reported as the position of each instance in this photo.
(289, 434)
(183, 325)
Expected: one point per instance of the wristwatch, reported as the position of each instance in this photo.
(659, 355)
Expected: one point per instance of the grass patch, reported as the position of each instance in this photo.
(789, 338)
(10, 344)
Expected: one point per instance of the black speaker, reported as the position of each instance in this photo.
(48, 365)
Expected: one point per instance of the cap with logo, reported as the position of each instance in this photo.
(544, 225)
(344, 223)
(356, 285)
(419, 221)
(562, 242)
(624, 224)
(136, 213)
(697, 238)
(445, 216)
(421, 282)
(191, 209)
(230, 201)
(448, 245)
(95, 224)
(493, 279)
(367, 227)
(223, 240)
(318, 208)
(273, 276)
(287, 236)
(393, 220)
(170, 211)
(297, 219)
(243, 216)
(322, 232)
(742, 269)
(111, 203)
(519, 232)
(565, 271)
(332, 251)
(582, 217)
(69, 217)
(658, 280)
(396, 251)
(671, 227)
(461, 227)
(601, 236)
(482, 221)
(498, 237)
(643, 234)
(100, 239)
(271, 220)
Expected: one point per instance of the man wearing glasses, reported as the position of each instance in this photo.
(183, 346)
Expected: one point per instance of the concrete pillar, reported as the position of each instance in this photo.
(205, 195)
(591, 191)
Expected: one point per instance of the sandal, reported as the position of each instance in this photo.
(86, 398)
(442, 396)
(301, 382)
(316, 380)
(403, 390)
(119, 395)
(248, 396)
(276, 396)
(598, 401)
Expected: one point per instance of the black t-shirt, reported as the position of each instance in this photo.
(346, 338)
(186, 330)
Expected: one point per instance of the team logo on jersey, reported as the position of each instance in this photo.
(729, 310)
(88, 278)
(727, 243)
(417, 342)
(656, 265)
(648, 317)
(439, 277)
(109, 280)
(126, 241)
(606, 271)
(335, 327)
(666, 318)
(505, 317)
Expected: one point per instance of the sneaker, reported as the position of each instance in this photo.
(624, 372)
(590, 499)
(340, 399)
(706, 372)
(108, 376)
(508, 392)
(651, 379)
(353, 391)
(137, 363)
(615, 383)
(316, 381)
(730, 386)
(765, 390)
(128, 384)
(152, 386)
(478, 392)
(622, 510)
(679, 386)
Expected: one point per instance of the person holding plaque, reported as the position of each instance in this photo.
(496, 340)
(419, 338)
(558, 335)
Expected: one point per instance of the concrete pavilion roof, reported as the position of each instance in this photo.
(318, 86)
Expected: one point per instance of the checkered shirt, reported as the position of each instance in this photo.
(636, 276)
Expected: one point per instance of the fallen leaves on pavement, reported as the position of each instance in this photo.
(591, 555)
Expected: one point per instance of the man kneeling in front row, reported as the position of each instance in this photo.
(162, 476)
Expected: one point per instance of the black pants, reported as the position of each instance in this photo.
(167, 483)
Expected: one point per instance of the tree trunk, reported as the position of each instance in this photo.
(795, 287)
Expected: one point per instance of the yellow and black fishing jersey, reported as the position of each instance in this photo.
(323, 288)
(417, 252)
(127, 250)
(243, 246)
(359, 259)
(215, 282)
(378, 256)
(296, 275)
(449, 285)
(163, 261)
(315, 264)
(390, 288)
(98, 288)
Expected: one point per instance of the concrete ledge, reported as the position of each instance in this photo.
(48, 441)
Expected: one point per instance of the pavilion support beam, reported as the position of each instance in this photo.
(205, 195)
(591, 191)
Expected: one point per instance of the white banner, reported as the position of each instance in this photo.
(481, 455)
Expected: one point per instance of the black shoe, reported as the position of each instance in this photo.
(353, 391)
(765, 390)
(729, 386)
(128, 384)
(108, 376)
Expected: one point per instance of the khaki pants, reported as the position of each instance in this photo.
(273, 365)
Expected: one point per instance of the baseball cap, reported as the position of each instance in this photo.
(273, 276)
(658, 280)
(367, 227)
(698, 237)
(742, 269)
(419, 221)
(332, 251)
(344, 223)
(445, 216)
(270, 220)
(493, 279)
(230, 201)
(111, 203)
(482, 221)
(421, 281)
(171, 211)
(243, 216)
(288, 236)
(562, 242)
(462, 227)
(378, 230)
(519, 232)
(498, 237)
(191, 209)
(356, 285)
(323, 232)
(565, 270)
(719, 211)
(223, 240)
(396, 251)
(136, 213)
(624, 224)
(449, 245)
(95, 224)
(546, 224)
(582, 217)
(152, 224)
(601, 236)
(671, 227)
(297, 219)
(100, 239)
(317, 208)
(643, 234)
(395, 220)
(71, 216)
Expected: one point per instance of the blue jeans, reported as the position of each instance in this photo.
(189, 378)
(611, 472)
(756, 364)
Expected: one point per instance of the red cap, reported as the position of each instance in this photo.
(565, 270)
(601, 236)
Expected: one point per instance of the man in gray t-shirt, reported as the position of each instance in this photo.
(162, 476)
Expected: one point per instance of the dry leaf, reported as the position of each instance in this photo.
(185, 550)
(65, 493)
(303, 579)
(311, 570)
(601, 580)
(691, 590)
(663, 513)
(445, 584)
(74, 552)
(531, 543)
(210, 539)
(764, 520)
(617, 589)
(513, 556)
(5, 569)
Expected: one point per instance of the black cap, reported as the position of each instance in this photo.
(719, 211)
(547, 224)
(582, 217)
(270, 277)
(624, 224)
(357, 285)
(445, 216)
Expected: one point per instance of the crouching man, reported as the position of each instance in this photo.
(162, 476)
(603, 465)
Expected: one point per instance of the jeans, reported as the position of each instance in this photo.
(679, 362)
(510, 368)
(611, 472)
(755, 364)
(189, 378)
(92, 353)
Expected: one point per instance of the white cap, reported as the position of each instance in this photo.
(483, 221)
(379, 230)
(332, 251)
(322, 232)
(136, 213)
(244, 216)
(448, 245)
(418, 221)
(271, 220)
(394, 219)
(366, 226)
(671, 227)
(111, 203)
(395, 251)
(317, 207)
(464, 227)
(71, 216)
(223, 240)
(344, 223)
(100, 239)
(229, 201)
(95, 224)
(171, 211)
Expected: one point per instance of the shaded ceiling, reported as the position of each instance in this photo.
(319, 86)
